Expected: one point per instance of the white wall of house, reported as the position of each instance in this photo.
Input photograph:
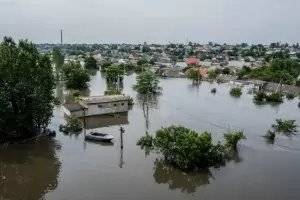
(107, 108)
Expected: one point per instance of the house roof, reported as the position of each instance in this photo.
(103, 99)
(192, 61)
(73, 107)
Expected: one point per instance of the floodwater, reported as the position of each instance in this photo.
(67, 167)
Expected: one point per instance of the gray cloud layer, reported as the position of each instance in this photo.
(157, 21)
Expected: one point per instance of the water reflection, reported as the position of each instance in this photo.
(176, 179)
(30, 170)
(106, 120)
(234, 156)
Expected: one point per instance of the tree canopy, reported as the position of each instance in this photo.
(113, 73)
(147, 83)
(185, 148)
(141, 62)
(194, 74)
(286, 70)
(58, 59)
(75, 76)
(26, 95)
(91, 63)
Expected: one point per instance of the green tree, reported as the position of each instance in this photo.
(236, 92)
(58, 59)
(146, 83)
(75, 77)
(91, 63)
(185, 148)
(288, 127)
(26, 95)
(141, 62)
(212, 75)
(232, 138)
(226, 70)
(194, 75)
(105, 65)
(114, 73)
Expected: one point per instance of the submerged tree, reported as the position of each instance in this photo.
(90, 63)
(26, 95)
(76, 77)
(147, 83)
(232, 138)
(194, 75)
(236, 92)
(285, 126)
(58, 59)
(114, 74)
(185, 148)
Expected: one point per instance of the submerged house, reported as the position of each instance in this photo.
(97, 105)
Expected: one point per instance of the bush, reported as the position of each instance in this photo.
(130, 101)
(146, 141)
(285, 126)
(299, 105)
(214, 90)
(270, 135)
(232, 138)
(263, 97)
(112, 91)
(74, 125)
(185, 148)
(290, 96)
(236, 92)
(260, 96)
(274, 97)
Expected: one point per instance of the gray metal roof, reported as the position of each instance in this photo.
(73, 107)
(103, 99)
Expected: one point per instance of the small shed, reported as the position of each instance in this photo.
(97, 105)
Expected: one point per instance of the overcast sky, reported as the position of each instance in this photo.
(154, 21)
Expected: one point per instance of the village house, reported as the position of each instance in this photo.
(97, 105)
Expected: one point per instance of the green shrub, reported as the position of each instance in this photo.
(146, 141)
(260, 96)
(285, 126)
(232, 138)
(263, 97)
(299, 105)
(270, 135)
(130, 101)
(185, 148)
(214, 90)
(112, 91)
(290, 96)
(236, 92)
(274, 97)
(74, 125)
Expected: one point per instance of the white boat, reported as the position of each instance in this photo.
(102, 137)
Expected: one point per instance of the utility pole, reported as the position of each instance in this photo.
(84, 125)
(122, 130)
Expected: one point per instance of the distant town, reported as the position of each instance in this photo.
(227, 63)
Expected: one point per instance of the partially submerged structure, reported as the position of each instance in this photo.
(97, 105)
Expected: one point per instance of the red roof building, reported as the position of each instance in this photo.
(192, 61)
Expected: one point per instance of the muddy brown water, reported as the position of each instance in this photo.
(67, 167)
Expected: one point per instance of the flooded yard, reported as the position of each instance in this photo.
(71, 168)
